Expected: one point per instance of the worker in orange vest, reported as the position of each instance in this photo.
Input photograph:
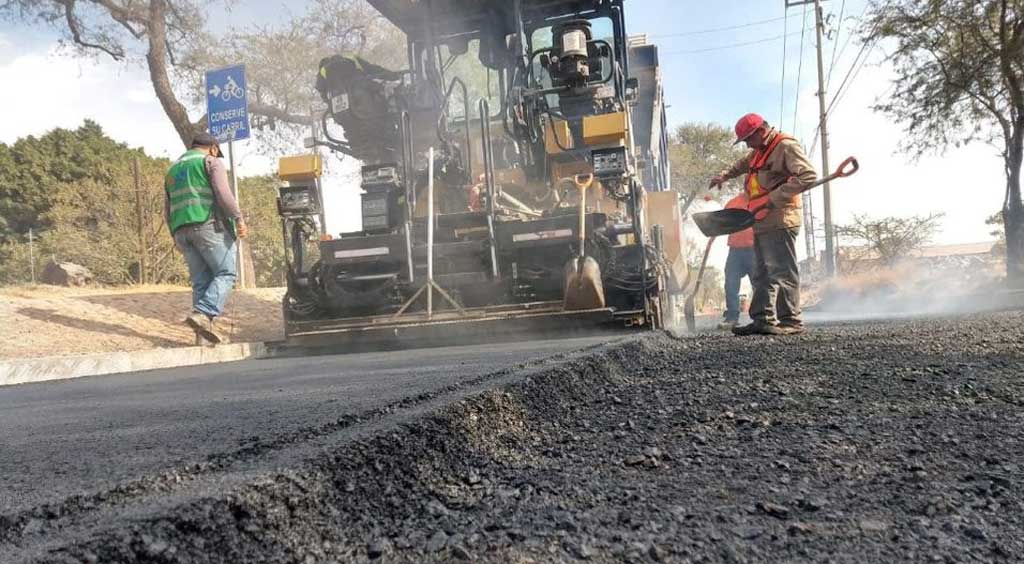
(777, 171)
(738, 264)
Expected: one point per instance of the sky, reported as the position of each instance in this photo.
(710, 74)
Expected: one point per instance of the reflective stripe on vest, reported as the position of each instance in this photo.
(189, 190)
(757, 162)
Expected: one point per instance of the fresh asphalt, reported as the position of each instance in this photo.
(77, 437)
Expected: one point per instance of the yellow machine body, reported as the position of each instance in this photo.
(605, 129)
(663, 209)
(557, 136)
(298, 168)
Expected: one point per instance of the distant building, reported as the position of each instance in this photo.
(851, 259)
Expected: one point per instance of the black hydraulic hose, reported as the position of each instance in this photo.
(507, 105)
(334, 143)
(554, 133)
(620, 23)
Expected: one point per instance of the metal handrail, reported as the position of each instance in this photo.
(488, 150)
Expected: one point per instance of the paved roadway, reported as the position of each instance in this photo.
(81, 436)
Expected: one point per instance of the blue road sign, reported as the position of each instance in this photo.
(227, 106)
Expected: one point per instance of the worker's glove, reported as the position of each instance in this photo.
(242, 229)
(717, 182)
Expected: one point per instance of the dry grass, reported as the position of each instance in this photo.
(50, 321)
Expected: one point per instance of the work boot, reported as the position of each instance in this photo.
(757, 328)
(727, 325)
(203, 326)
(792, 328)
(215, 329)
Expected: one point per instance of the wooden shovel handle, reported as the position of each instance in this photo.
(583, 181)
(851, 163)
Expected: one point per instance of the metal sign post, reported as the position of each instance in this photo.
(227, 114)
(234, 192)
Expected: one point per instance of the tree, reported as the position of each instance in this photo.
(31, 168)
(960, 67)
(96, 225)
(82, 186)
(999, 232)
(891, 238)
(697, 152)
(259, 195)
(172, 38)
(83, 208)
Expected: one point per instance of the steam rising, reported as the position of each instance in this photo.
(916, 287)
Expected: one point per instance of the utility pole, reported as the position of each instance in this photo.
(139, 223)
(819, 27)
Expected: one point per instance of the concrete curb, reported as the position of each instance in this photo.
(65, 367)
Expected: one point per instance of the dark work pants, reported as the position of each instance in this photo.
(740, 263)
(776, 278)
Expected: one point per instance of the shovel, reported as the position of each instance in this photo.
(688, 308)
(729, 221)
(583, 287)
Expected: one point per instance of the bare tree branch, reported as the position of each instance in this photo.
(75, 27)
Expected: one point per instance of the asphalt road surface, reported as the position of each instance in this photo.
(869, 441)
(77, 436)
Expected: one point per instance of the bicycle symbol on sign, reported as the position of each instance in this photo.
(231, 90)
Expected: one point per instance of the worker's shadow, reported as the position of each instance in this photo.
(245, 316)
(49, 316)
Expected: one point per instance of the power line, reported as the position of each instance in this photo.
(849, 36)
(850, 72)
(799, 70)
(717, 29)
(841, 93)
(835, 45)
(782, 83)
(731, 46)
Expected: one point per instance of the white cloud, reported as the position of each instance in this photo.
(61, 91)
(140, 96)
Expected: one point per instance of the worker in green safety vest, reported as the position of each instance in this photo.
(206, 223)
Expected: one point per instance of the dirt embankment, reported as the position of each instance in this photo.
(884, 442)
(48, 321)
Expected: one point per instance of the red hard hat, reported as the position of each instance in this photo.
(747, 125)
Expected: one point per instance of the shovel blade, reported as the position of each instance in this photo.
(723, 222)
(583, 287)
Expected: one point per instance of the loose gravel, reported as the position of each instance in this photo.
(895, 441)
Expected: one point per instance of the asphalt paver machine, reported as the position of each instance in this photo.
(521, 155)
